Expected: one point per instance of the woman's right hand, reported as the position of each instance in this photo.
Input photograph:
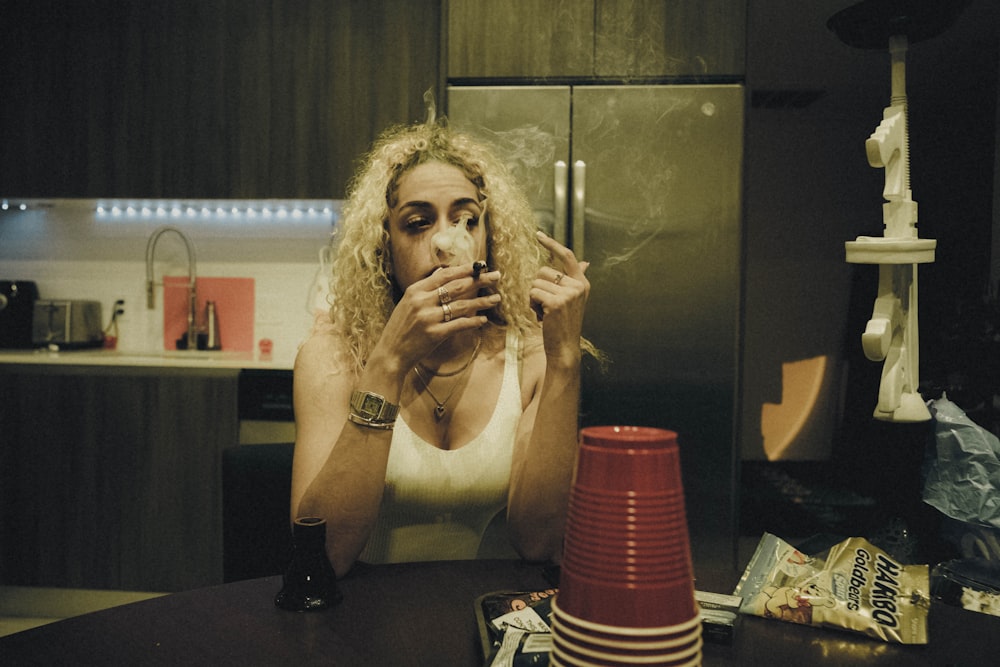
(431, 310)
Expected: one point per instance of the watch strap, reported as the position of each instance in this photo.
(360, 421)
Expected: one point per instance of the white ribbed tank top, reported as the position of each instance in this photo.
(437, 503)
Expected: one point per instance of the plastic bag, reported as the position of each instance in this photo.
(963, 482)
(853, 586)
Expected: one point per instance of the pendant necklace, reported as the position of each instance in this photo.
(439, 405)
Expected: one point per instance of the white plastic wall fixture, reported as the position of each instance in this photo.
(891, 334)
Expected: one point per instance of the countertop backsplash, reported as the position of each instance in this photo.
(96, 250)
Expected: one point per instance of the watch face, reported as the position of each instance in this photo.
(371, 406)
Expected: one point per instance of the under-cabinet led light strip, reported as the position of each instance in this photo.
(216, 209)
(308, 211)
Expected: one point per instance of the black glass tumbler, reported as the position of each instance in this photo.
(310, 583)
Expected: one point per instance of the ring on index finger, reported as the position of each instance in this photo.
(447, 312)
(443, 295)
(558, 278)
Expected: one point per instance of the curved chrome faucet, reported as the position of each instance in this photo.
(192, 277)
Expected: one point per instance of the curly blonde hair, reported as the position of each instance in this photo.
(362, 288)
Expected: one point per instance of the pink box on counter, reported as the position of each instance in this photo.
(234, 307)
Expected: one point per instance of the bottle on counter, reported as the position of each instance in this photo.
(208, 335)
(309, 583)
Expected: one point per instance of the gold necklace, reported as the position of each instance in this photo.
(439, 405)
(439, 374)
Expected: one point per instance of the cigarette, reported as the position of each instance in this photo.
(478, 267)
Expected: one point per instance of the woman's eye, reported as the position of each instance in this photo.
(418, 223)
(468, 220)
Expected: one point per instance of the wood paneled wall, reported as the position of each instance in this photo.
(206, 98)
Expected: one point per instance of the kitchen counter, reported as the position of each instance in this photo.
(162, 359)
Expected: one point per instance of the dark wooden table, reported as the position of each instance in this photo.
(423, 614)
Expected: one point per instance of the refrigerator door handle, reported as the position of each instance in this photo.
(579, 206)
(559, 201)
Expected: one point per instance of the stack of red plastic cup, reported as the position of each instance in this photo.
(626, 591)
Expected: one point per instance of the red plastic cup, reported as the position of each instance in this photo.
(627, 580)
(602, 632)
(627, 525)
(652, 507)
(635, 574)
(610, 554)
(637, 511)
(628, 475)
(634, 512)
(585, 534)
(627, 496)
(627, 556)
(628, 459)
(674, 645)
(621, 603)
(583, 653)
(609, 638)
(559, 659)
(632, 569)
(613, 548)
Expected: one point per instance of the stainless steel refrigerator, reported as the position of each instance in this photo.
(645, 183)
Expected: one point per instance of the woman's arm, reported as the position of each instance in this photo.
(345, 488)
(546, 447)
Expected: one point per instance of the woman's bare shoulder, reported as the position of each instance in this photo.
(322, 353)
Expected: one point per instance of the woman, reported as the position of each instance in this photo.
(439, 392)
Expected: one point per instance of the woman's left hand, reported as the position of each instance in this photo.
(559, 299)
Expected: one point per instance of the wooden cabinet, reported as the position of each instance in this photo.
(111, 477)
(616, 39)
(206, 98)
(520, 38)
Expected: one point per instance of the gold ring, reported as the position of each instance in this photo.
(559, 276)
(447, 312)
(443, 295)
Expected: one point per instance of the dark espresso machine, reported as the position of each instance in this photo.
(17, 305)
